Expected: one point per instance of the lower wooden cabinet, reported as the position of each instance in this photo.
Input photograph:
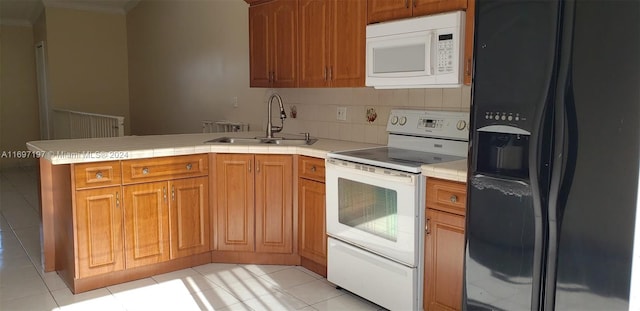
(189, 217)
(254, 206)
(99, 231)
(444, 245)
(312, 233)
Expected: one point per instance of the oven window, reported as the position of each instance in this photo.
(369, 208)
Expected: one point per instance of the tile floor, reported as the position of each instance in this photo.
(24, 285)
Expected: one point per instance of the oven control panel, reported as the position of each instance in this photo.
(440, 124)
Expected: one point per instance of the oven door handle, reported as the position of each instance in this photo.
(365, 170)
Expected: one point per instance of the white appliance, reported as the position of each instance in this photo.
(375, 206)
(417, 52)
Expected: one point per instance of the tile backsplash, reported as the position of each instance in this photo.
(316, 109)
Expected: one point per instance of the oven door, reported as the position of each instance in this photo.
(376, 209)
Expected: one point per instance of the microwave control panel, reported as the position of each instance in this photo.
(445, 50)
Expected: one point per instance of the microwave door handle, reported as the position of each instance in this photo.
(431, 53)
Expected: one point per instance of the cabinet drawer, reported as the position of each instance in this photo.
(311, 168)
(146, 170)
(447, 196)
(100, 174)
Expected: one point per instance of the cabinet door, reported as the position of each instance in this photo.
(444, 261)
(311, 221)
(146, 223)
(424, 7)
(235, 202)
(99, 231)
(313, 28)
(189, 216)
(384, 10)
(348, 43)
(284, 42)
(274, 207)
(258, 45)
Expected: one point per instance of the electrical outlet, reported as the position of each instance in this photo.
(235, 101)
(342, 114)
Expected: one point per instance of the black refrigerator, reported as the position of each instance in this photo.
(554, 155)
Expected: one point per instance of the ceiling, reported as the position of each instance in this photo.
(26, 12)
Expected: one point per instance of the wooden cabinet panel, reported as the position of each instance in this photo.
(235, 202)
(259, 46)
(156, 169)
(444, 261)
(99, 231)
(189, 216)
(273, 44)
(311, 168)
(146, 224)
(425, 7)
(100, 174)
(384, 10)
(312, 225)
(348, 43)
(332, 43)
(274, 207)
(285, 43)
(468, 41)
(313, 31)
(447, 196)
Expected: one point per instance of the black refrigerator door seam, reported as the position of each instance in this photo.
(562, 113)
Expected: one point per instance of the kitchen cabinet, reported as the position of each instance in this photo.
(332, 43)
(273, 44)
(99, 231)
(312, 236)
(444, 244)
(125, 215)
(386, 10)
(254, 206)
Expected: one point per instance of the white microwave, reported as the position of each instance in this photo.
(419, 52)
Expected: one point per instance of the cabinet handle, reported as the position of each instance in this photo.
(257, 166)
(330, 73)
(164, 193)
(99, 175)
(250, 165)
(414, 3)
(173, 193)
(427, 227)
(453, 198)
(145, 171)
(468, 71)
(313, 168)
(189, 166)
(325, 73)
(406, 3)
(117, 199)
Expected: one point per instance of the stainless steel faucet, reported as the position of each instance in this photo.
(283, 115)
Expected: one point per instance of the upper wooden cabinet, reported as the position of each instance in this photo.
(332, 43)
(468, 40)
(273, 43)
(385, 10)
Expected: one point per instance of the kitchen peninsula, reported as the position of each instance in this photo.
(156, 201)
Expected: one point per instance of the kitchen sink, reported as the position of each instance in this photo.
(262, 141)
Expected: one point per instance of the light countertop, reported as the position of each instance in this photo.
(455, 170)
(67, 151)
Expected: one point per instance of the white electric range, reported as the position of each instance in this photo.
(375, 206)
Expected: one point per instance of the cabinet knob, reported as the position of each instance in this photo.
(145, 171)
(453, 198)
(99, 175)
(189, 166)
(313, 168)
